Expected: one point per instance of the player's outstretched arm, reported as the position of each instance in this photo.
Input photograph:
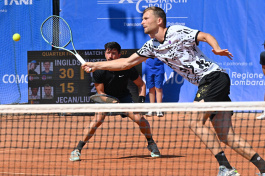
(114, 65)
(205, 37)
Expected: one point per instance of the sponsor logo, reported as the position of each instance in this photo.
(3, 10)
(44, 77)
(17, 2)
(15, 78)
(247, 79)
(140, 5)
(166, 5)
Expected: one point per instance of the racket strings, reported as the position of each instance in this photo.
(56, 32)
(103, 99)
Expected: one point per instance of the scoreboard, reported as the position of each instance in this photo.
(56, 77)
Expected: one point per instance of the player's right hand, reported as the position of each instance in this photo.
(87, 67)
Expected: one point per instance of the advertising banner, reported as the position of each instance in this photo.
(237, 26)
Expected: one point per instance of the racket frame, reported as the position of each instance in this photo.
(104, 95)
(70, 41)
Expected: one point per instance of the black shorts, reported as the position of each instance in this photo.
(124, 99)
(214, 87)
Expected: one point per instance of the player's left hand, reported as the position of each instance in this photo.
(141, 99)
(223, 52)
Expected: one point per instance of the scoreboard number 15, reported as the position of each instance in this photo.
(69, 87)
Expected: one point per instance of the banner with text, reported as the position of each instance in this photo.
(237, 25)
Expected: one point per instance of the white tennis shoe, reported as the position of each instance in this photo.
(159, 114)
(259, 174)
(149, 114)
(75, 155)
(262, 116)
(155, 153)
(223, 171)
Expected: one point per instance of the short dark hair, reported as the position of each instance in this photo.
(112, 45)
(34, 86)
(47, 85)
(158, 12)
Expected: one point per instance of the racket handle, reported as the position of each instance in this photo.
(80, 58)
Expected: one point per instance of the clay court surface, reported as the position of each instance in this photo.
(41, 145)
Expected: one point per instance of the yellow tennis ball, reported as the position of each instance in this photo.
(16, 37)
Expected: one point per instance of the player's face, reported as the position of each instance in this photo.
(149, 23)
(112, 54)
(33, 66)
(34, 91)
(47, 65)
(47, 90)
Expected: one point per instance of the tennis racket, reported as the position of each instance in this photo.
(57, 33)
(103, 98)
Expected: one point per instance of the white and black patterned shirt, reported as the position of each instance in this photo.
(180, 52)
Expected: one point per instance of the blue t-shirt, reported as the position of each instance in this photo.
(49, 73)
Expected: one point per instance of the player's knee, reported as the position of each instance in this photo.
(223, 138)
(142, 121)
(224, 141)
